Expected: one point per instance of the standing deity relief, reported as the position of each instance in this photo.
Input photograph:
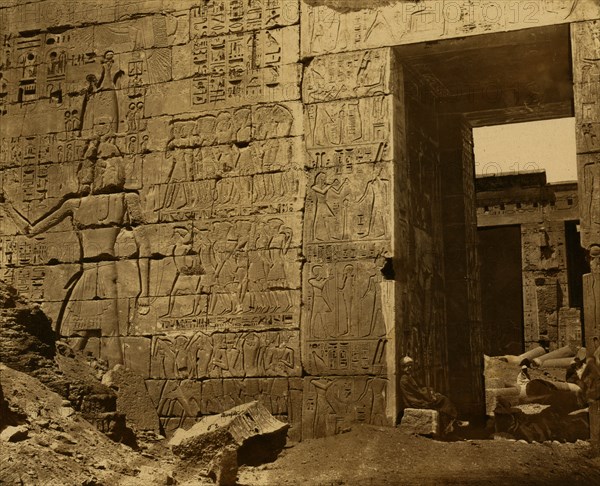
(342, 133)
(342, 306)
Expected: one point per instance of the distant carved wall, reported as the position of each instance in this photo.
(541, 211)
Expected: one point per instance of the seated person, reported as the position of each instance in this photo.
(415, 396)
(574, 372)
(590, 379)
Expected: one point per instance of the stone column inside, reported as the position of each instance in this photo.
(422, 314)
(463, 297)
(585, 40)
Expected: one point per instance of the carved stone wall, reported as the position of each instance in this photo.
(333, 26)
(152, 172)
(586, 79)
(348, 323)
(242, 199)
(420, 246)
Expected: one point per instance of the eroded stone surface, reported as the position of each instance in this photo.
(132, 398)
(334, 27)
(421, 422)
(183, 196)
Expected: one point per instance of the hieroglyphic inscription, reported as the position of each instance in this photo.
(352, 75)
(586, 73)
(218, 17)
(326, 30)
(589, 190)
(343, 133)
(241, 67)
(346, 229)
(330, 405)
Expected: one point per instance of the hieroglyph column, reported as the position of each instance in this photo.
(585, 39)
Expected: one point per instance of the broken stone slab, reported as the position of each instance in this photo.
(250, 429)
(133, 398)
(14, 433)
(421, 422)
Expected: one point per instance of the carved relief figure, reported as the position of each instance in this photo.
(375, 202)
(346, 289)
(98, 212)
(321, 309)
(188, 275)
(324, 214)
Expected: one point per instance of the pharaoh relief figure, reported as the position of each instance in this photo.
(99, 211)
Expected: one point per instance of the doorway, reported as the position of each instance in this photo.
(501, 290)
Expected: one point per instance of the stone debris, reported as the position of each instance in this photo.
(249, 430)
(544, 406)
(14, 433)
(223, 469)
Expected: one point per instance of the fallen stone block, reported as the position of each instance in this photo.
(132, 398)
(421, 422)
(14, 433)
(223, 469)
(564, 352)
(510, 395)
(249, 429)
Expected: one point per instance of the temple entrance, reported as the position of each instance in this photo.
(450, 88)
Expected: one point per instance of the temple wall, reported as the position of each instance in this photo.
(152, 164)
(238, 199)
(422, 321)
(348, 316)
(586, 79)
(336, 26)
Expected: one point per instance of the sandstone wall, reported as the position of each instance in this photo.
(152, 172)
(236, 199)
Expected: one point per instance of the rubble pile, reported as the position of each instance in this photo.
(28, 344)
(528, 396)
(45, 441)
